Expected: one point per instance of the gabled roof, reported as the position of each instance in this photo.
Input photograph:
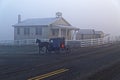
(99, 32)
(67, 27)
(86, 31)
(36, 22)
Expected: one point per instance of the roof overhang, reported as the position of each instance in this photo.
(29, 25)
(65, 27)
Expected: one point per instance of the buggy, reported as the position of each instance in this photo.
(53, 45)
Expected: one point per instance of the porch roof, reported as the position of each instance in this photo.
(65, 27)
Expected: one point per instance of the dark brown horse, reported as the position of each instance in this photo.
(42, 45)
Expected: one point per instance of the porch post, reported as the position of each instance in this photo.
(74, 34)
(71, 34)
(66, 34)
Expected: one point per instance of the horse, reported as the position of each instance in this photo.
(42, 44)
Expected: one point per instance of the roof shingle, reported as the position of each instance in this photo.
(36, 22)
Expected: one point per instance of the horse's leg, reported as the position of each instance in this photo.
(39, 49)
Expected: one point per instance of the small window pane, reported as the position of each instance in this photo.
(26, 31)
(18, 31)
(38, 31)
(55, 32)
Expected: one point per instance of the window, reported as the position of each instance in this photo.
(26, 31)
(55, 32)
(68, 33)
(38, 31)
(18, 31)
(63, 32)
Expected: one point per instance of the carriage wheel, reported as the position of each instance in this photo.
(43, 50)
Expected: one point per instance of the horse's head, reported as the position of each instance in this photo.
(38, 41)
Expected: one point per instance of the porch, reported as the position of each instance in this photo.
(63, 31)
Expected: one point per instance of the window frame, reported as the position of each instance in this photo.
(38, 31)
(26, 31)
(55, 32)
(18, 31)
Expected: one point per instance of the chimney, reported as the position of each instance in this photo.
(19, 18)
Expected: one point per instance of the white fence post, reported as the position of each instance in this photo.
(73, 43)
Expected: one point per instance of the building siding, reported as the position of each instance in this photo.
(32, 35)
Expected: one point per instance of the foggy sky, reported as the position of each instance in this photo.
(86, 14)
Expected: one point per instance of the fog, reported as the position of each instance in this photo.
(86, 14)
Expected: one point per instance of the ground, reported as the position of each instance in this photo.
(91, 63)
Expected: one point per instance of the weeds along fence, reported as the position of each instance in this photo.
(72, 43)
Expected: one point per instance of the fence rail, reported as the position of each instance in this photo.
(20, 42)
(73, 43)
(85, 42)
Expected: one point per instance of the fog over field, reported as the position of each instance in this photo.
(93, 14)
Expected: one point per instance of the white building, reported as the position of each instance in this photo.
(43, 28)
(89, 34)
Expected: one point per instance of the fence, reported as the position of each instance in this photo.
(72, 43)
(85, 42)
(17, 42)
(20, 42)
